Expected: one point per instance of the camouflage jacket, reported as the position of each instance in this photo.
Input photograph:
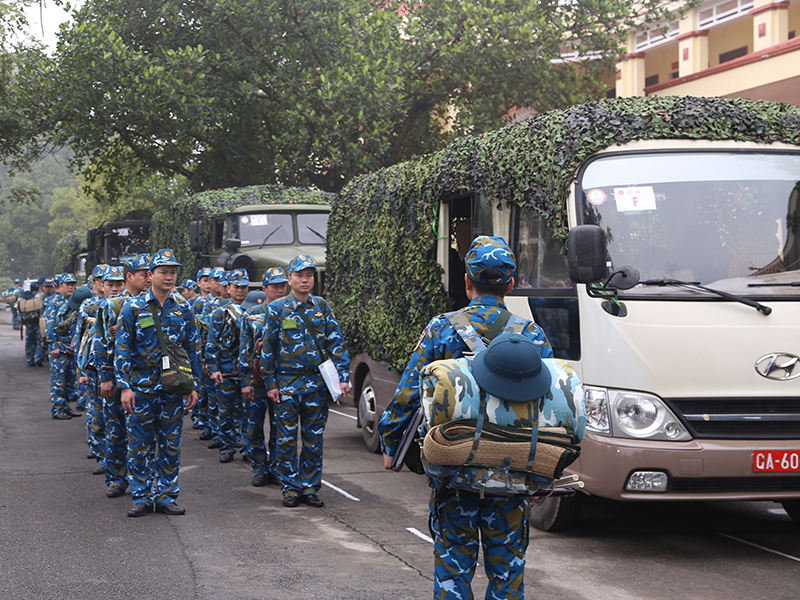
(107, 316)
(289, 355)
(251, 327)
(137, 360)
(88, 310)
(440, 341)
(222, 346)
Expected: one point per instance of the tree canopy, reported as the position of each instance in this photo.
(307, 92)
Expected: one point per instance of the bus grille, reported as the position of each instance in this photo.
(739, 418)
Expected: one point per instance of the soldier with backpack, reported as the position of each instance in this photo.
(61, 324)
(29, 307)
(459, 519)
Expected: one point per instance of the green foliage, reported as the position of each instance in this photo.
(307, 93)
(383, 278)
(67, 250)
(171, 225)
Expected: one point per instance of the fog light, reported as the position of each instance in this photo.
(647, 481)
(672, 430)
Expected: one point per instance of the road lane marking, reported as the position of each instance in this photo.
(186, 468)
(343, 414)
(760, 547)
(341, 491)
(419, 534)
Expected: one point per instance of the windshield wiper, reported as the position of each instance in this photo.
(318, 234)
(792, 284)
(269, 235)
(696, 284)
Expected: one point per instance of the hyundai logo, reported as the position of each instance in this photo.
(779, 366)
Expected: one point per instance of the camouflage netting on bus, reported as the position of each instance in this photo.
(171, 226)
(383, 279)
(67, 250)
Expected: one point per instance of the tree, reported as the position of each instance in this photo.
(309, 92)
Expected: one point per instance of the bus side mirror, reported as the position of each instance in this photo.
(196, 236)
(587, 254)
(91, 245)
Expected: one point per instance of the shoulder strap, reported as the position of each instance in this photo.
(464, 328)
(159, 333)
(313, 331)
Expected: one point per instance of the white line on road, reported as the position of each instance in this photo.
(760, 547)
(343, 414)
(341, 491)
(419, 534)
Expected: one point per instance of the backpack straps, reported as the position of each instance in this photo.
(474, 342)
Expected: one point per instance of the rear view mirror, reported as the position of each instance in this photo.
(91, 245)
(196, 236)
(587, 254)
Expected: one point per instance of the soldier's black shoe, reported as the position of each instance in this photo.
(259, 480)
(39, 364)
(72, 413)
(273, 479)
(80, 406)
(206, 435)
(226, 457)
(99, 469)
(291, 501)
(90, 455)
(172, 509)
(215, 444)
(312, 500)
(62, 415)
(140, 510)
(195, 425)
(115, 491)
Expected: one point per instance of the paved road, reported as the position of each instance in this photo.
(60, 537)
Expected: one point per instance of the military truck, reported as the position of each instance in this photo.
(115, 241)
(252, 228)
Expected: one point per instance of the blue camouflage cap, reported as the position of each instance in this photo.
(204, 272)
(68, 278)
(114, 274)
(57, 278)
(300, 262)
(98, 271)
(239, 277)
(137, 263)
(490, 252)
(47, 283)
(274, 275)
(164, 258)
(189, 284)
(224, 278)
(16, 281)
(216, 273)
(254, 298)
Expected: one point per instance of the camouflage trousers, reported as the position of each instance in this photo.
(210, 423)
(262, 456)
(309, 412)
(229, 414)
(95, 423)
(200, 411)
(115, 441)
(498, 524)
(154, 444)
(63, 383)
(34, 351)
(14, 318)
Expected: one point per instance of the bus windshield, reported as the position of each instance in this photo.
(724, 219)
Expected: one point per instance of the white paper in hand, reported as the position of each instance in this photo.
(331, 377)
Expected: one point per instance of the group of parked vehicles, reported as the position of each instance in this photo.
(675, 299)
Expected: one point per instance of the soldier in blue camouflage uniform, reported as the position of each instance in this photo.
(203, 309)
(63, 383)
(290, 357)
(83, 342)
(15, 289)
(457, 521)
(198, 302)
(222, 356)
(155, 416)
(34, 352)
(254, 392)
(120, 285)
(189, 291)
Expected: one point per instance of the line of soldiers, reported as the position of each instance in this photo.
(254, 356)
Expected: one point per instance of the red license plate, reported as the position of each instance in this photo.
(776, 461)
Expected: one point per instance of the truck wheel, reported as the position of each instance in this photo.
(367, 419)
(557, 513)
(793, 508)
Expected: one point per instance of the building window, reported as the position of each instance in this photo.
(612, 93)
(722, 11)
(652, 80)
(791, 34)
(674, 75)
(732, 54)
(657, 35)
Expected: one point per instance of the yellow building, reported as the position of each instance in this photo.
(736, 48)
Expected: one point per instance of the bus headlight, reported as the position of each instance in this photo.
(597, 410)
(639, 415)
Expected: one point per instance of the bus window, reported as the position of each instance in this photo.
(541, 261)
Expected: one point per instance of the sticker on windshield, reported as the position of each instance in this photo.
(258, 220)
(596, 196)
(635, 198)
(244, 220)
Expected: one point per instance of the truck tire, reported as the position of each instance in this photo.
(367, 419)
(556, 513)
(793, 508)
